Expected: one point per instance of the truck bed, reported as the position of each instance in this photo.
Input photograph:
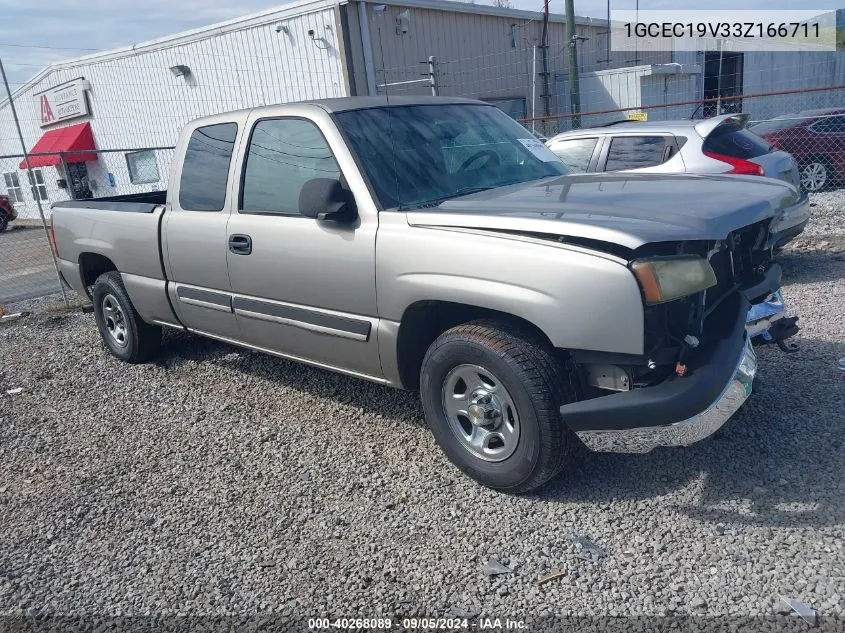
(126, 230)
(130, 203)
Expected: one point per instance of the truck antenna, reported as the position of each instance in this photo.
(386, 85)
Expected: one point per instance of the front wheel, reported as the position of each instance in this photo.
(491, 395)
(4, 222)
(815, 174)
(123, 331)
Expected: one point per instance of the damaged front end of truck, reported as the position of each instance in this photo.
(699, 361)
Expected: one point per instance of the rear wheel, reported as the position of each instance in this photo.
(815, 174)
(491, 394)
(123, 331)
(4, 222)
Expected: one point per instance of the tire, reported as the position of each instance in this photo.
(123, 331)
(815, 174)
(4, 222)
(528, 387)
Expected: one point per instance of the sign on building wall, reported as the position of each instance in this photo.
(63, 102)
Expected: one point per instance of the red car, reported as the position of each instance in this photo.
(7, 212)
(816, 138)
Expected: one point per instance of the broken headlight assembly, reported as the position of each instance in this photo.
(665, 279)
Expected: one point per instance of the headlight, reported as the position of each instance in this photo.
(664, 279)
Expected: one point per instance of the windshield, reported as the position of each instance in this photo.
(419, 156)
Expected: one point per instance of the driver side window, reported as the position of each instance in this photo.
(283, 155)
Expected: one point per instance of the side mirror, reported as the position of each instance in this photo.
(326, 199)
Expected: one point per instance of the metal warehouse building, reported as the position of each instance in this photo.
(105, 120)
(139, 97)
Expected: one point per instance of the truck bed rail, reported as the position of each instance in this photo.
(131, 203)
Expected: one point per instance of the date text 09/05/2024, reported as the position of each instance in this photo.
(722, 29)
(430, 624)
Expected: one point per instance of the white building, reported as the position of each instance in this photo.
(127, 102)
(123, 101)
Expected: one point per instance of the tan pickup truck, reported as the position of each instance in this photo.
(436, 245)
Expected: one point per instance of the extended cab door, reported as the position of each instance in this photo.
(306, 287)
(194, 233)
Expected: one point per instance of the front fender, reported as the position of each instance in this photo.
(579, 299)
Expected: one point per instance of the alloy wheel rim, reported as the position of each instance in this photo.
(481, 413)
(813, 176)
(114, 320)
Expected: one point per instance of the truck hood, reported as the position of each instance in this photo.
(624, 209)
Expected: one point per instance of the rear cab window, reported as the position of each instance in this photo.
(575, 153)
(732, 140)
(205, 169)
(637, 152)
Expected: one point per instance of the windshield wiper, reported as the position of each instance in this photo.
(463, 191)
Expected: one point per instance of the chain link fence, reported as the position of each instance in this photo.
(26, 264)
(511, 60)
(795, 101)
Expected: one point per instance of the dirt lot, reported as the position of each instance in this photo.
(219, 482)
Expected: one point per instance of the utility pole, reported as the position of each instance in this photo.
(574, 84)
(432, 74)
(544, 45)
(534, 88)
(719, 79)
(32, 181)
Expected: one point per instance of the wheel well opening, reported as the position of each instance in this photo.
(424, 321)
(92, 265)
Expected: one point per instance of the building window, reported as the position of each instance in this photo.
(36, 184)
(143, 168)
(205, 169)
(13, 186)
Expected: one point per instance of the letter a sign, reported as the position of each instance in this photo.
(63, 102)
(46, 111)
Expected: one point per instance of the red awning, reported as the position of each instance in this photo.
(73, 138)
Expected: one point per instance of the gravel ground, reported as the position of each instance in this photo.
(221, 482)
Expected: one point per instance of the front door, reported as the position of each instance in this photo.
(77, 175)
(305, 288)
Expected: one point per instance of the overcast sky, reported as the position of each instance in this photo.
(104, 24)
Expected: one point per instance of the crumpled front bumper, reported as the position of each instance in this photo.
(686, 432)
(762, 316)
(681, 409)
(790, 223)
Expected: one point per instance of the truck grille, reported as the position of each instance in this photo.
(740, 261)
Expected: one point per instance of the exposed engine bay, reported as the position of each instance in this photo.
(676, 329)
